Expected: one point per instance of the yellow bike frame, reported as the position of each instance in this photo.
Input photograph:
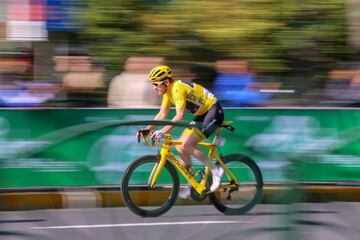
(200, 187)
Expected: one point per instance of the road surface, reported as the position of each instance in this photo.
(330, 221)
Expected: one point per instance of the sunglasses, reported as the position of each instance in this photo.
(156, 84)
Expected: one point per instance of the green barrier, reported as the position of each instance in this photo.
(300, 144)
(88, 147)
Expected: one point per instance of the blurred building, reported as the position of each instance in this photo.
(39, 28)
(26, 20)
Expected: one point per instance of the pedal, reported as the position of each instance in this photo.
(229, 191)
(206, 192)
(229, 196)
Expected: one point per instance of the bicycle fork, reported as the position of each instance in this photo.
(157, 168)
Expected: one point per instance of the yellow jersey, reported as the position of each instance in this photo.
(191, 96)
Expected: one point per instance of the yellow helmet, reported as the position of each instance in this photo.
(160, 73)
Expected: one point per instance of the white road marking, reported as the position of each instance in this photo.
(140, 224)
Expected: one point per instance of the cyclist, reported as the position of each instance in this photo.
(200, 102)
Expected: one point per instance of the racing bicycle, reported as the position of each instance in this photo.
(150, 184)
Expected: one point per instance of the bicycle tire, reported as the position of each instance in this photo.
(250, 187)
(137, 194)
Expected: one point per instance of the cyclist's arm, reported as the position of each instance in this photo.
(180, 106)
(180, 114)
(161, 115)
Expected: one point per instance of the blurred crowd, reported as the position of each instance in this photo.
(76, 81)
(278, 58)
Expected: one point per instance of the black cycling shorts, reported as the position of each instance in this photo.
(211, 120)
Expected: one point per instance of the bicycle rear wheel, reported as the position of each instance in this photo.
(241, 199)
(137, 194)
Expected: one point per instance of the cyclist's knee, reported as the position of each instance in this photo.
(185, 148)
(179, 148)
(188, 147)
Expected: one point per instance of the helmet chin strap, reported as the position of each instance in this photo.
(166, 89)
(167, 85)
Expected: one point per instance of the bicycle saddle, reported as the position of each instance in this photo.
(228, 126)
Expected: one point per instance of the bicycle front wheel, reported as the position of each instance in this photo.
(240, 199)
(144, 200)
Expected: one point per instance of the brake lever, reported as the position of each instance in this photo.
(138, 137)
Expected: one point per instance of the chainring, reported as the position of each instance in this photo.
(196, 196)
(201, 197)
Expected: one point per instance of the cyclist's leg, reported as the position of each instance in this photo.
(210, 122)
(188, 148)
(194, 138)
(200, 155)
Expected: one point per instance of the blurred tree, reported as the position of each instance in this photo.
(278, 36)
(114, 31)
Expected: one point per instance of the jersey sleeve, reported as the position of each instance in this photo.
(166, 101)
(179, 96)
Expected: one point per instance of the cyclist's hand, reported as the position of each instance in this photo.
(142, 133)
(157, 135)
